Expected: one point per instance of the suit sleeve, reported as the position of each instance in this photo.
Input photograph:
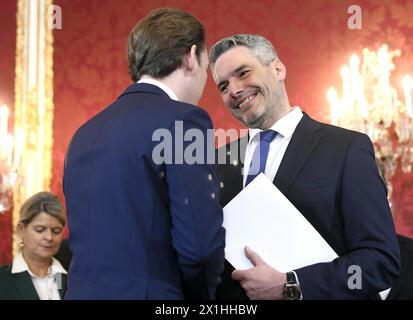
(196, 216)
(372, 246)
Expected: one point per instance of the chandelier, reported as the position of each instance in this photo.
(9, 160)
(370, 104)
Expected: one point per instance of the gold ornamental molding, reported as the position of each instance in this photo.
(33, 111)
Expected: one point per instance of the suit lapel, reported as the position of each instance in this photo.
(304, 139)
(230, 164)
(24, 285)
(243, 142)
(242, 147)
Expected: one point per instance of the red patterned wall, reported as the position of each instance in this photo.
(7, 54)
(311, 36)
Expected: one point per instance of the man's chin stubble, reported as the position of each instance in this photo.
(256, 123)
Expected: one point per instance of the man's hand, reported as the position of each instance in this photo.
(261, 282)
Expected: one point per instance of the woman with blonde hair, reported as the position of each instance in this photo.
(34, 273)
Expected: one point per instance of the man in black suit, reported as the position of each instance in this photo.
(403, 287)
(328, 173)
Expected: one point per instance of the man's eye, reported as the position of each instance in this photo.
(244, 73)
(223, 88)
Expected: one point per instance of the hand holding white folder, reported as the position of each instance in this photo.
(261, 217)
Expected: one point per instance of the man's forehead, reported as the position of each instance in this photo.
(232, 61)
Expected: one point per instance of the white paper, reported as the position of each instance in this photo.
(261, 217)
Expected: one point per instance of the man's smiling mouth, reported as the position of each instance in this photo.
(241, 105)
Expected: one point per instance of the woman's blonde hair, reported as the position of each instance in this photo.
(46, 202)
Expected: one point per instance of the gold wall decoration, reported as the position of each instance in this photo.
(33, 112)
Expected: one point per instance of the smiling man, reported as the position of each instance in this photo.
(328, 173)
(253, 92)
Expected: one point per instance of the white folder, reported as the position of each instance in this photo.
(261, 217)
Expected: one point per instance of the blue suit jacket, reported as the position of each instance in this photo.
(331, 177)
(140, 230)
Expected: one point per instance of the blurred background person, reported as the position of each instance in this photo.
(402, 289)
(34, 273)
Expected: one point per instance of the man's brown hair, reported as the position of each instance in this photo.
(157, 44)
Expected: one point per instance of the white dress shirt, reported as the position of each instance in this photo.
(46, 287)
(285, 128)
(384, 294)
(161, 86)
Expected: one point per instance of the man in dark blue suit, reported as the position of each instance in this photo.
(328, 173)
(143, 225)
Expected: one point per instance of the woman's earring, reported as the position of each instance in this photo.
(21, 243)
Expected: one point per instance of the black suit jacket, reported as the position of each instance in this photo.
(331, 177)
(403, 287)
(64, 255)
(19, 286)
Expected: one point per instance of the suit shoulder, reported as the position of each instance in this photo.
(5, 271)
(343, 135)
(183, 109)
(168, 108)
(339, 131)
(162, 103)
(93, 122)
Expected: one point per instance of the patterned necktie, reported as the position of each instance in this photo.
(259, 158)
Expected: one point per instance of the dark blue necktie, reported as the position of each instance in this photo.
(259, 158)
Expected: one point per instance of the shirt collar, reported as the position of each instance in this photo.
(20, 265)
(284, 126)
(160, 85)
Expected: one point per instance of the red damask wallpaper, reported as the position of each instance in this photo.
(7, 53)
(311, 36)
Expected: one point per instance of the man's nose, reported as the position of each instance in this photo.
(235, 87)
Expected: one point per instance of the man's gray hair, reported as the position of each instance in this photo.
(260, 47)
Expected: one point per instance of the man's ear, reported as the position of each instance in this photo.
(280, 70)
(190, 61)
